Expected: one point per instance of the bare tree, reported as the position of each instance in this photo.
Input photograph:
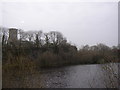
(47, 38)
(31, 35)
(56, 37)
(4, 34)
(23, 35)
(40, 35)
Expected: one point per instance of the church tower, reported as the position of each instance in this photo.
(12, 35)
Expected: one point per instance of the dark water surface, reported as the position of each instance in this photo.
(78, 76)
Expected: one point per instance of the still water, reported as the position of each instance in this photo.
(78, 76)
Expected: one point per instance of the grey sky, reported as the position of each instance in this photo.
(81, 23)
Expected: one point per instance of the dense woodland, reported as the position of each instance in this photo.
(37, 49)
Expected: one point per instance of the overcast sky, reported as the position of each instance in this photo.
(81, 23)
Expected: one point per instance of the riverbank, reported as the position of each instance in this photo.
(77, 76)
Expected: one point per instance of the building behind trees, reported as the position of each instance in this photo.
(52, 49)
(13, 36)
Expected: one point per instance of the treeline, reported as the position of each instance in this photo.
(38, 49)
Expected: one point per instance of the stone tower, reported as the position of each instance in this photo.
(12, 35)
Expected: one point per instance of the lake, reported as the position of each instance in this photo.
(77, 76)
